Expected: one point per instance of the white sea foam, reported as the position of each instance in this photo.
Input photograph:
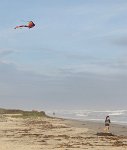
(118, 116)
(82, 115)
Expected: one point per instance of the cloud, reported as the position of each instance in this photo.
(6, 52)
(112, 67)
(80, 86)
(11, 74)
(121, 41)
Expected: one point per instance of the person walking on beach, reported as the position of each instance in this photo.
(107, 124)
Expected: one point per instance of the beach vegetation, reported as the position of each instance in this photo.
(22, 114)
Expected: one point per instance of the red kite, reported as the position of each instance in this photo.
(30, 25)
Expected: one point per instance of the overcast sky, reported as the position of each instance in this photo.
(74, 58)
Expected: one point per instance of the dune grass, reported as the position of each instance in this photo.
(24, 114)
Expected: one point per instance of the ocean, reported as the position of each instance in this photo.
(116, 116)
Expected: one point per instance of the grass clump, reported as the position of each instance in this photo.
(20, 113)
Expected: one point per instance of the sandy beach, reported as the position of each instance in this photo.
(17, 133)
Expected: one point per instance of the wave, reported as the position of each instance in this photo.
(82, 115)
(118, 116)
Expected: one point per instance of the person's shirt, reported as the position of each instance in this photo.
(107, 121)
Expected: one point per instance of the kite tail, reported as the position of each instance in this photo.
(21, 26)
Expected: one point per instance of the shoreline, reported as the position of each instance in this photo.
(97, 126)
(36, 133)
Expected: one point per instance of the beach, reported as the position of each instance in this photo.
(37, 133)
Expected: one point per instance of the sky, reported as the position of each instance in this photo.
(74, 58)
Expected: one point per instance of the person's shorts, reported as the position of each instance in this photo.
(106, 124)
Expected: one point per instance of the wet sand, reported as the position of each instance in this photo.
(58, 134)
(99, 126)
